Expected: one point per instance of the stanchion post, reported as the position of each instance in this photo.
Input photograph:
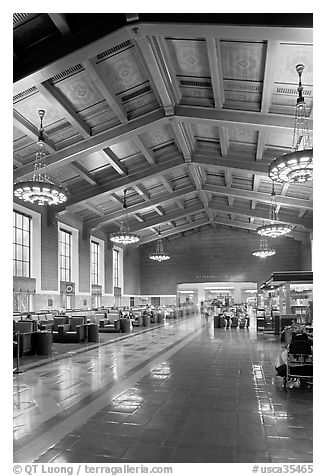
(17, 370)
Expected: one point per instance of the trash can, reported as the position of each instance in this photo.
(44, 343)
(216, 322)
(147, 320)
(160, 318)
(93, 335)
(125, 325)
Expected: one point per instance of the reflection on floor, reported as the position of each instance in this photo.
(185, 392)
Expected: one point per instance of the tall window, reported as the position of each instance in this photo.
(94, 262)
(22, 245)
(116, 282)
(65, 255)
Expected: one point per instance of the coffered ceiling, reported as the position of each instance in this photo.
(186, 116)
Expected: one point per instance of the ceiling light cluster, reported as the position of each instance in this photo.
(274, 229)
(296, 166)
(264, 251)
(124, 236)
(40, 190)
(159, 254)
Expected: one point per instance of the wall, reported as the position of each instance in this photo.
(306, 261)
(209, 256)
(131, 264)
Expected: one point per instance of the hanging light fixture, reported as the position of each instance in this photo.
(274, 229)
(159, 254)
(264, 250)
(296, 166)
(124, 236)
(40, 190)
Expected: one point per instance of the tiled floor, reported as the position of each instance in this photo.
(183, 393)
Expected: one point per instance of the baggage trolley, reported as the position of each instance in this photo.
(299, 368)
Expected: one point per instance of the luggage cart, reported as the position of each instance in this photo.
(299, 364)
(299, 368)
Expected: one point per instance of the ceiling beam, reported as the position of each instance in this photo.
(32, 132)
(232, 162)
(255, 187)
(283, 192)
(121, 183)
(147, 153)
(261, 145)
(62, 105)
(166, 218)
(300, 236)
(84, 173)
(269, 74)
(173, 231)
(185, 140)
(227, 32)
(141, 206)
(195, 176)
(59, 19)
(113, 160)
(260, 196)
(215, 70)
(151, 65)
(261, 214)
(103, 85)
(224, 140)
(169, 188)
(159, 43)
(228, 183)
(231, 118)
(100, 141)
(93, 208)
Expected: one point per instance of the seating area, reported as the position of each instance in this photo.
(37, 331)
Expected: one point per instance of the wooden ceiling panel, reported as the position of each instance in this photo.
(141, 105)
(215, 179)
(289, 55)
(80, 90)
(27, 152)
(243, 60)
(158, 136)
(124, 149)
(205, 131)
(94, 161)
(65, 174)
(279, 139)
(242, 183)
(63, 134)
(124, 71)
(237, 134)
(190, 57)
(99, 117)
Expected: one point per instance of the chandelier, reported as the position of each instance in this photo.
(296, 166)
(274, 229)
(264, 250)
(124, 236)
(159, 254)
(40, 190)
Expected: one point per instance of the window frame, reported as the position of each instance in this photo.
(20, 244)
(95, 276)
(66, 233)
